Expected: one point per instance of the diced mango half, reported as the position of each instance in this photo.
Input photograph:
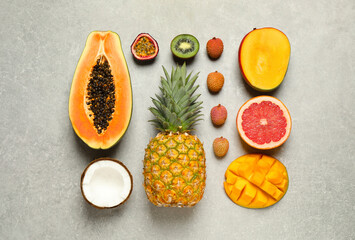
(274, 177)
(230, 177)
(227, 188)
(256, 181)
(247, 195)
(259, 201)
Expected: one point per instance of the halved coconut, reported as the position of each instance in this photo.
(106, 183)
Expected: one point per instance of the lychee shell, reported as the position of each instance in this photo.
(215, 81)
(218, 115)
(220, 146)
(214, 48)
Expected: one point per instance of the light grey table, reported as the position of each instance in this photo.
(42, 159)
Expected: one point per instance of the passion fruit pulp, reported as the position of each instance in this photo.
(144, 47)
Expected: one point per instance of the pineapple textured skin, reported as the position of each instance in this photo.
(174, 170)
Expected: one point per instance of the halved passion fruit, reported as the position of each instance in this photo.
(144, 47)
(264, 122)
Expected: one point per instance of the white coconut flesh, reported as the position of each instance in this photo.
(106, 183)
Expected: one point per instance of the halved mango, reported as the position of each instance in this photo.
(264, 55)
(264, 184)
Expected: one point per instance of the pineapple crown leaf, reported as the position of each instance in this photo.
(166, 74)
(176, 108)
(191, 82)
(187, 115)
(156, 114)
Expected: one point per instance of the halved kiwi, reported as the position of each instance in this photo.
(184, 46)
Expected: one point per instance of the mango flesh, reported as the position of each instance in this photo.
(256, 181)
(263, 58)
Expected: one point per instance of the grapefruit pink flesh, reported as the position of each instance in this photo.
(264, 122)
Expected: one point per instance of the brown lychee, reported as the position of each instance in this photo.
(220, 147)
(218, 115)
(215, 81)
(214, 48)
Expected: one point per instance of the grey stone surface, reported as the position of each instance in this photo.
(42, 158)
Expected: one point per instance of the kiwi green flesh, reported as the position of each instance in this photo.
(184, 46)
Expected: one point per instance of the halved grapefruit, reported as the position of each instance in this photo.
(264, 122)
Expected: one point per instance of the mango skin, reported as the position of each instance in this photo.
(256, 181)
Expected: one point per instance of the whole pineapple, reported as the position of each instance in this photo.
(174, 162)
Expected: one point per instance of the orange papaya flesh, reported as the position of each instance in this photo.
(256, 181)
(103, 48)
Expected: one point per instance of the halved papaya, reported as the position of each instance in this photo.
(100, 102)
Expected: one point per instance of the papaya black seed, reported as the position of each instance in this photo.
(101, 95)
